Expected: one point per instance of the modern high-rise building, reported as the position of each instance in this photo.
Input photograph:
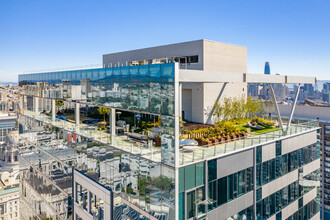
(267, 68)
(321, 113)
(139, 162)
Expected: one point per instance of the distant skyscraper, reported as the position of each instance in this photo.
(267, 68)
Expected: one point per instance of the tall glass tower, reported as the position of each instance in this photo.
(267, 68)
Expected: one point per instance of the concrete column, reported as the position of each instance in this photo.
(35, 104)
(112, 122)
(89, 198)
(180, 100)
(77, 113)
(53, 110)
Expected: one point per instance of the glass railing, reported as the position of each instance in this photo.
(142, 148)
(203, 152)
(149, 151)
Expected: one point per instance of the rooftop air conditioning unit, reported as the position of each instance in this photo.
(156, 61)
(144, 62)
(135, 63)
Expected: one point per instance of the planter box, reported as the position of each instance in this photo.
(199, 141)
(158, 141)
(206, 142)
(101, 124)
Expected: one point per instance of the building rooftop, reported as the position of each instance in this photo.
(11, 190)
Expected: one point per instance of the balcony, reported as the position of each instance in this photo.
(123, 142)
(204, 152)
(149, 151)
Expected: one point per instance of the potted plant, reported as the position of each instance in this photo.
(222, 139)
(158, 140)
(215, 139)
(199, 141)
(206, 141)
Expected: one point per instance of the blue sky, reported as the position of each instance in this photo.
(294, 36)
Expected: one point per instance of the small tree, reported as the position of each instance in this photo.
(227, 108)
(269, 107)
(103, 111)
(58, 104)
(218, 110)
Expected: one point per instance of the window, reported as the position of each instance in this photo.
(187, 59)
(191, 204)
(212, 170)
(259, 154)
(181, 180)
(278, 148)
(241, 183)
(190, 174)
(181, 206)
(199, 174)
(222, 191)
(259, 194)
(230, 187)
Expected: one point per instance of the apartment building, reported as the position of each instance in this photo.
(7, 124)
(127, 172)
(9, 178)
(322, 114)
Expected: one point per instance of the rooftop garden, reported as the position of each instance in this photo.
(237, 118)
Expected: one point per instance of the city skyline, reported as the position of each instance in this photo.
(46, 35)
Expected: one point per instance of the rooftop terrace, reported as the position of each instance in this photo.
(149, 150)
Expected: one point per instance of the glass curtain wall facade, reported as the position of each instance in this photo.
(325, 168)
(147, 88)
(148, 184)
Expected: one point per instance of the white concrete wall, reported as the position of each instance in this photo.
(196, 101)
(307, 112)
(226, 58)
(216, 92)
(228, 165)
(187, 104)
(268, 152)
(294, 143)
(279, 183)
(231, 208)
(205, 95)
(190, 48)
